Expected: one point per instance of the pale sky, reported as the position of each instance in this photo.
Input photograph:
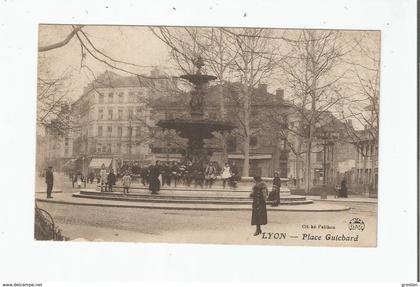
(131, 44)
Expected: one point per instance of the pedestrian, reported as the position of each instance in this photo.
(144, 174)
(79, 179)
(226, 174)
(49, 180)
(112, 179)
(274, 195)
(259, 209)
(103, 176)
(73, 179)
(189, 173)
(154, 173)
(210, 174)
(91, 177)
(182, 173)
(235, 175)
(126, 182)
(343, 189)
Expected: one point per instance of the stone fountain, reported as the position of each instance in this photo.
(197, 128)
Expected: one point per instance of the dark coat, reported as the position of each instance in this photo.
(343, 189)
(274, 195)
(154, 183)
(235, 172)
(49, 177)
(259, 209)
(277, 181)
(112, 179)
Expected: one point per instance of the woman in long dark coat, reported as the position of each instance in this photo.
(154, 183)
(274, 195)
(343, 189)
(259, 209)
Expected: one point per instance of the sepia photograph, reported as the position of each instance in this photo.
(209, 135)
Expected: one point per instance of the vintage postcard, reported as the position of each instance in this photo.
(207, 135)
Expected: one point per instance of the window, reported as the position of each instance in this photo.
(121, 97)
(253, 141)
(99, 148)
(284, 144)
(108, 148)
(130, 114)
(118, 147)
(110, 97)
(66, 141)
(131, 97)
(110, 131)
(100, 114)
(66, 152)
(110, 114)
(120, 114)
(319, 156)
(120, 131)
(231, 144)
(99, 131)
(101, 98)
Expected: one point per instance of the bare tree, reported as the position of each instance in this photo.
(53, 113)
(246, 56)
(313, 73)
(62, 43)
(361, 113)
(363, 109)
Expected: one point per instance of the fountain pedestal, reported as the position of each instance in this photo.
(196, 128)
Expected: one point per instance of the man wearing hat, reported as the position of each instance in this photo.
(49, 180)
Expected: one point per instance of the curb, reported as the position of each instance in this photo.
(345, 201)
(184, 207)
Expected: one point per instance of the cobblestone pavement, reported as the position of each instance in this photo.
(96, 223)
(230, 227)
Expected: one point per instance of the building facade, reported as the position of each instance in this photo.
(111, 121)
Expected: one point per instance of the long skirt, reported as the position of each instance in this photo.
(259, 210)
(154, 185)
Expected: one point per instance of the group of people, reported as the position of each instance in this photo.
(187, 173)
(107, 180)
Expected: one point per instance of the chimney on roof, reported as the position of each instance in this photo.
(349, 123)
(280, 94)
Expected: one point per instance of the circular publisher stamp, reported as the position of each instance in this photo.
(356, 224)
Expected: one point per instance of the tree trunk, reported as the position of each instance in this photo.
(247, 111)
(308, 168)
(297, 164)
(222, 117)
(311, 125)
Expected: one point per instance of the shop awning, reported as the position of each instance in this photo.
(98, 162)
